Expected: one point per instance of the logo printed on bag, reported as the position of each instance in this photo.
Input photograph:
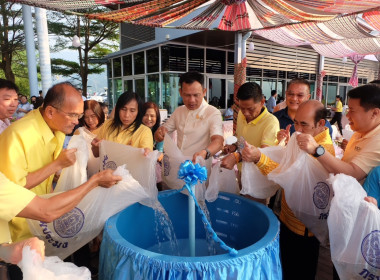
(321, 195)
(69, 224)
(371, 248)
(166, 162)
(108, 165)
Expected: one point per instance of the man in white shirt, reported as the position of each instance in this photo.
(8, 102)
(198, 125)
(24, 107)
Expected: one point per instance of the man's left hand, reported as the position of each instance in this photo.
(307, 143)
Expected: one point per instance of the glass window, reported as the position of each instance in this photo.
(170, 92)
(117, 88)
(270, 73)
(281, 88)
(139, 63)
(111, 96)
(152, 57)
(215, 61)
(268, 86)
(254, 71)
(127, 65)
(109, 69)
(140, 88)
(256, 80)
(230, 63)
(331, 94)
(173, 58)
(117, 67)
(292, 75)
(217, 93)
(154, 88)
(196, 59)
(128, 85)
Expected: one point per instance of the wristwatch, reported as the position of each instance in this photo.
(319, 151)
(208, 154)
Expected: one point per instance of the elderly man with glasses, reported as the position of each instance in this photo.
(31, 148)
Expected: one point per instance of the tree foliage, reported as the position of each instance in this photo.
(97, 39)
(12, 39)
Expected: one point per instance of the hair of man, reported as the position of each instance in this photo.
(250, 90)
(55, 95)
(273, 92)
(191, 77)
(299, 81)
(368, 95)
(8, 85)
(125, 98)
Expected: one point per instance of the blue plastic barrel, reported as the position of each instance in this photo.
(249, 227)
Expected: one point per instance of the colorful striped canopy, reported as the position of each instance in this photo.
(333, 28)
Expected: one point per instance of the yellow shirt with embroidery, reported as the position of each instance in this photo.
(141, 138)
(260, 131)
(266, 165)
(13, 199)
(26, 146)
(339, 107)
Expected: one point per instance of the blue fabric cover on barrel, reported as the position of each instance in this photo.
(249, 227)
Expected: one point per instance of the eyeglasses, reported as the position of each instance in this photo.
(70, 115)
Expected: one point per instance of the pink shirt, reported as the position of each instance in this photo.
(4, 124)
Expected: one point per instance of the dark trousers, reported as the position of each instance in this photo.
(299, 255)
(338, 119)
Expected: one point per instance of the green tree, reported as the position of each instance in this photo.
(12, 39)
(97, 39)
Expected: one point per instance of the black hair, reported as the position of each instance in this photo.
(338, 96)
(125, 98)
(299, 81)
(273, 92)
(55, 96)
(250, 90)
(369, 95)
(191, 77)
(320, 114)
(9, 85)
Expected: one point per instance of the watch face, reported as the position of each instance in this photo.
(320, 151)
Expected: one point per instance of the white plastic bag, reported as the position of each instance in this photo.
(93, 163)
(221, 179)
(253, 182)
(52, 268)
(171, 162)
(307, 192)
(354, 226)
(74, 229)
(142, 168)
(76, 174)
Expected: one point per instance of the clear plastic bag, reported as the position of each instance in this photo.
(307, 192)
(253, 182)
(52, 268)
(76, 228)
(354, 227)
(221, 179)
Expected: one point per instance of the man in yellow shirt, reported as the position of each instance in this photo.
(338, 114)
(299, 247)
(254, 123)
(19, 201)
(31, 148)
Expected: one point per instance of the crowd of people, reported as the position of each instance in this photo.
(33, 155)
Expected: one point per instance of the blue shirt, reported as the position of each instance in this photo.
(285, 120)
(271, 103)
(372, 184)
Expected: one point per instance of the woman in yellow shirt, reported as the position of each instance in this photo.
(126, 126)
(338, 114)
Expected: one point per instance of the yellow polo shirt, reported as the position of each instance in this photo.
(364, 151)
(266, 165)
(141, 138)
(260, 131)
(339, 107)
(26, 146)
(13, 199)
